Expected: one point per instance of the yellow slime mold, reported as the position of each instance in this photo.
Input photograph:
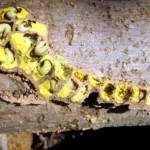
(12, 13)
(62, 71)
(121, 93)
(34, 26)
(27, 64)
(7, 59)
(78, 75)
(20, 44)
(80, 95)
(41, 70)
(64, 92)
(107, 91)
(3, 56)
(148, 100)
(38, 63)
(94, 81)
(135, 94)
(44, 89)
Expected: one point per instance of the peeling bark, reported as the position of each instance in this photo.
(105, 38)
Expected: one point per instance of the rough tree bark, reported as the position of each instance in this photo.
(101, 37)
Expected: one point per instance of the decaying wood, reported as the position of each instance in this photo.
(105, 38)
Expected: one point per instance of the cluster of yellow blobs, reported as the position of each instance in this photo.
(27, 40)
(120, 93)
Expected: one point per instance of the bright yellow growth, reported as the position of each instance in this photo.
(37, 75)
(121, 93)
(80, 95)
(148, 100)
(35, 26)
(27, 64)
(5, 29)
(38, 63)
(22, 44)
(44, 89)
(64, 92)
(19, 43)
(22, 13)
(78, 75)
(60, 71)
(62, 59)
(136, 94)
(3, 56)
(107, 91)
(39, 28)
(7, 59)
(53, 84)
(94, 81)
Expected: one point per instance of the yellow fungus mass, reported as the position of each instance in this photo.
(20, 12)
(94, 81)
(7, 58)
(80, 95)
(39, 28)
(107, 91)
(18, 42)
(64, 92)
(44, 89)
(24, 44)
(136, 94)
(78, 75)
(27, 64)
(37, 69)
(33, 26)
(121, 93)
(3, 56)
(59, 72)
(148, 100)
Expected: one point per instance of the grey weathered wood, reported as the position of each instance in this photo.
(101, 37)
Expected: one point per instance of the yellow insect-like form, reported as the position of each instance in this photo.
(23, 45)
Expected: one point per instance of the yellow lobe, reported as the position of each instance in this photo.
(59, 72)
(35, 26)
(120, 93)
(80, 95)
(135, 94)
(27, 64)
(23, 13)
(107, 91)
(20, 15)
(4, 60)
(39, 28)
(63, 92)
(36, 71)
(148, 100)
(94, 81)
(62, 59)
(3, 11)
(18, 42)
(3, 56)
(78, 75)
(44, 89)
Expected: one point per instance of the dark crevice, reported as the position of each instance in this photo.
(119, 109)
(106, 105)
(4, 101)
(57, 102)
(91, 100)
(144, 95)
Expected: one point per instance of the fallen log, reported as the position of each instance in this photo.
(103, 38)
